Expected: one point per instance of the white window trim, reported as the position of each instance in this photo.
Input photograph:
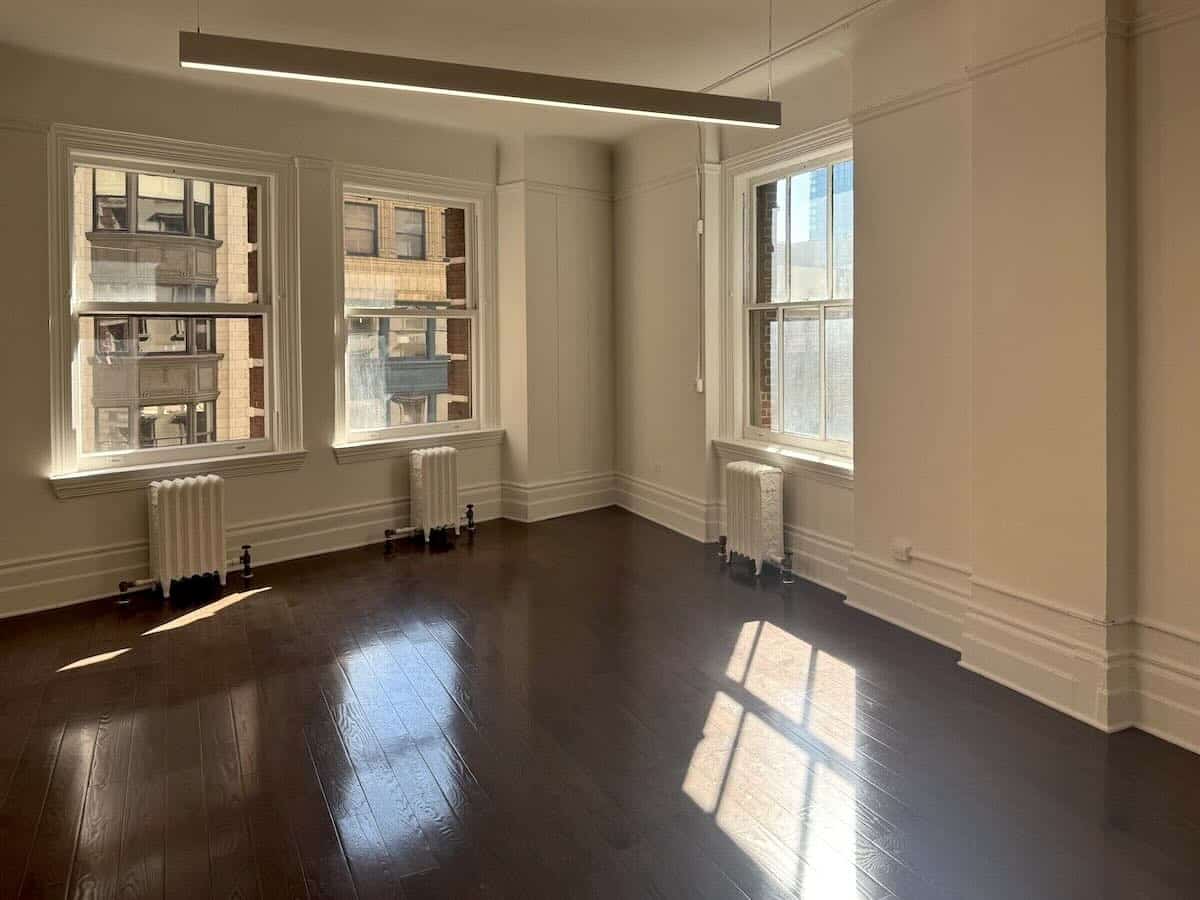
(479, 200)
(739, 174)
(69, 474)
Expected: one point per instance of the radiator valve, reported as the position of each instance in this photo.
(721, 544)
(389, 540)
(244, 559)
(788, 576)
(471, 518)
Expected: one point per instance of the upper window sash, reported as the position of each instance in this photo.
(754, 285)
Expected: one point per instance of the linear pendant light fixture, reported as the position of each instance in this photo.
(221, 53)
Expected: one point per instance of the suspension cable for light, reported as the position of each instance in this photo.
(245, 56)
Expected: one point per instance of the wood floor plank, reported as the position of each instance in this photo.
(590, 707)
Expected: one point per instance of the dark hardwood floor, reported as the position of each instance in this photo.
(587, 707)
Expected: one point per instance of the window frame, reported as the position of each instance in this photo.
(746, 186)
(74, 473)
(424, 232)
(397, 188)
(374, 252)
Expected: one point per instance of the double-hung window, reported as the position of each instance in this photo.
(800, 306)
(169, 318)
(409, 335)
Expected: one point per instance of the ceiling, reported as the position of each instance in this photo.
(683, 44)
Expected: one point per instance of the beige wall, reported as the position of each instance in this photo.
(1167, 133)
(59, 91)
(1024, 354)
(555, 286)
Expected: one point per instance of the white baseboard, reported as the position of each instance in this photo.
(925, 603)
(38, 583)
(690, 516)
(536, 501)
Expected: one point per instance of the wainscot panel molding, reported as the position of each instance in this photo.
(535, 501)
(907, 101)
(690, 516)
(1158, 20)
(132, 478)
(655, 184)
(1111, 27)
(29, 584)
(364, 451)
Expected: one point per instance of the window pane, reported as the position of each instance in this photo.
(159, 335)
(112, 428)
(172, 257)
(112, 204)
(839, 374)
(809, 239)
(202, 208)
(770, 239)
(843, 230)
(160, 204)
(764, 355)
(802, 372)
(406, 370)
(423, 263)
(163, 425)
(151, 367)
(360, 221)
(410, 233)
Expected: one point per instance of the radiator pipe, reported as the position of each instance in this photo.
(786, 570)
(141, 584)
(244, 559)
(389, 538)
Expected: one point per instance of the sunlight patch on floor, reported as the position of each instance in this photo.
(93, 660)
(204, 612)
(777, 797)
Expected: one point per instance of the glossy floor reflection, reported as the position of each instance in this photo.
(588, 707)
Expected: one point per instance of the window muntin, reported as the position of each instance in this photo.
(410, 233)
(153, 376)
(361, 225)
(800, 319)
(409, 331)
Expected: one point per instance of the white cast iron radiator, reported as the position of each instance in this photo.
(187, 529)
(433, 489)
(754, 512)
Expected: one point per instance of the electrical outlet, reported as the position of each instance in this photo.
(902, 549)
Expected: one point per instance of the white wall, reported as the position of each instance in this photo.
(48, 551)
(1167, 279)
(555, 273)
(662, 455)
(1001, 341)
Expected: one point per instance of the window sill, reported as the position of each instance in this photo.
(365, 451)
(132, 478)
(835, 469)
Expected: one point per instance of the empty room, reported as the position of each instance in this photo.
(566, 449)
